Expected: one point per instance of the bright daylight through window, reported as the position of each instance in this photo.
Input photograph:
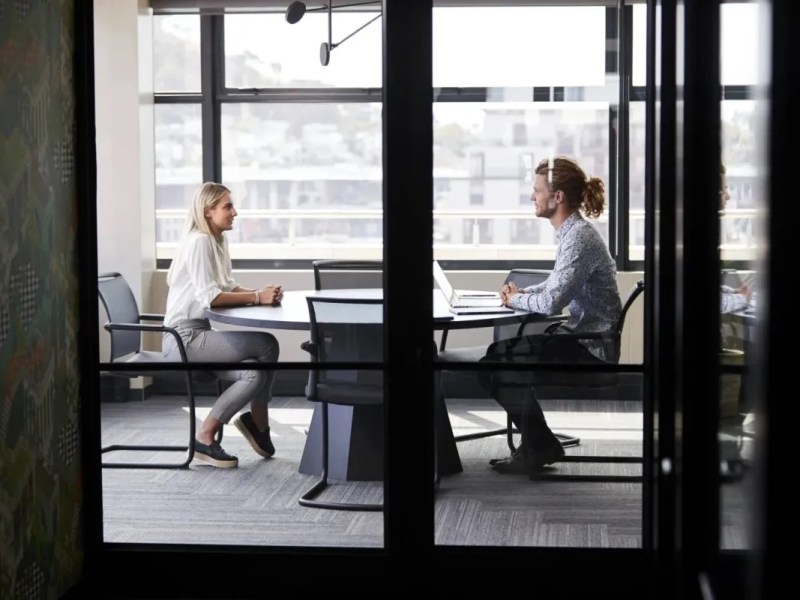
(300, 144)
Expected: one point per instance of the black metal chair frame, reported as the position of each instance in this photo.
(316, 347)
(613, 339)
(125, 345)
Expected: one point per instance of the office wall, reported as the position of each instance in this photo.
(41, 552)
(125, 156)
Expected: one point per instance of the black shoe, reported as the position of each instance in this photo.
(513, 465)
(494, 461)
(259, 440)
(532, 461)
(214, 455)
(539, 458)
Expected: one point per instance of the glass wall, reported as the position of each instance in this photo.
(743, 204)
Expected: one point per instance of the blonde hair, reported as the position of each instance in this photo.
(207, 195)
(564, 173)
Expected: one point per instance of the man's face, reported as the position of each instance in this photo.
(544, 201)
(724, 195)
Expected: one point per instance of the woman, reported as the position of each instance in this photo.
(200, 277)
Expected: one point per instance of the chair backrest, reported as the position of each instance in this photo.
(346, 330)
(730, 277)
(120, 306)
(527, 347)
(522, 278)
(633, 294)
(345, 274)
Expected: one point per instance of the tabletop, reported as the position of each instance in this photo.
(293, 312)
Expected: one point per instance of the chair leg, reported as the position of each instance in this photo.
(308, 499)
(188, 449)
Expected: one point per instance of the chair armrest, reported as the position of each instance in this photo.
(151, 317)
(137, 327)
(535, 317)
(141, 327)
(520, 346)
(309, 347)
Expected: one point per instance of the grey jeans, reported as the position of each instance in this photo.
(205, 344)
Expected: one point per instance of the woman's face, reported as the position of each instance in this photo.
(220, 216)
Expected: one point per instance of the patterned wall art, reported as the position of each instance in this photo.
(41, 553)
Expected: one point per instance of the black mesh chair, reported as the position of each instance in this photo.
(518, 350)
(346, 274)
(125, 326)
(336, 274)
(343, 330)
(522, 278)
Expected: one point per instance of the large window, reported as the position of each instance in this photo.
(300, 144)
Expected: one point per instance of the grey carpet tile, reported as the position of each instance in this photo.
(256, 504)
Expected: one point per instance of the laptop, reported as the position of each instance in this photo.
(465, 302)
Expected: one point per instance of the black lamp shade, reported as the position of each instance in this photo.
(295, 12)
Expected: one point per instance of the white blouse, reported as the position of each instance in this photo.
(199, 275)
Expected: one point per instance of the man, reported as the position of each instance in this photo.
(583, 280)
(730, 299)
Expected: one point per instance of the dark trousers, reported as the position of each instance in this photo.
(515, 390)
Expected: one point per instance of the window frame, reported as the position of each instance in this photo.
(619, 61)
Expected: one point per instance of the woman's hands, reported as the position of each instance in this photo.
(271, 294)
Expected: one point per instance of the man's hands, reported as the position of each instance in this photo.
(271, 294)
(507, 291)
(745, 291)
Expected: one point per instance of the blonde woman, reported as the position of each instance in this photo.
(200, 277)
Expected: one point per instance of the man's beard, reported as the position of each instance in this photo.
(548, 211)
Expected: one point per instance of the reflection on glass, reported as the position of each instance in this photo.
(738, 321)
(636, 181)
(741, 201)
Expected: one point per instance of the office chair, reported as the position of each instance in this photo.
(522, 278)
(351, 330)
(517, 350)
(125, 328)
(345, 274)
(336, 274)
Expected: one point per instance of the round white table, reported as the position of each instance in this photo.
(292, 313)
(356, 432)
